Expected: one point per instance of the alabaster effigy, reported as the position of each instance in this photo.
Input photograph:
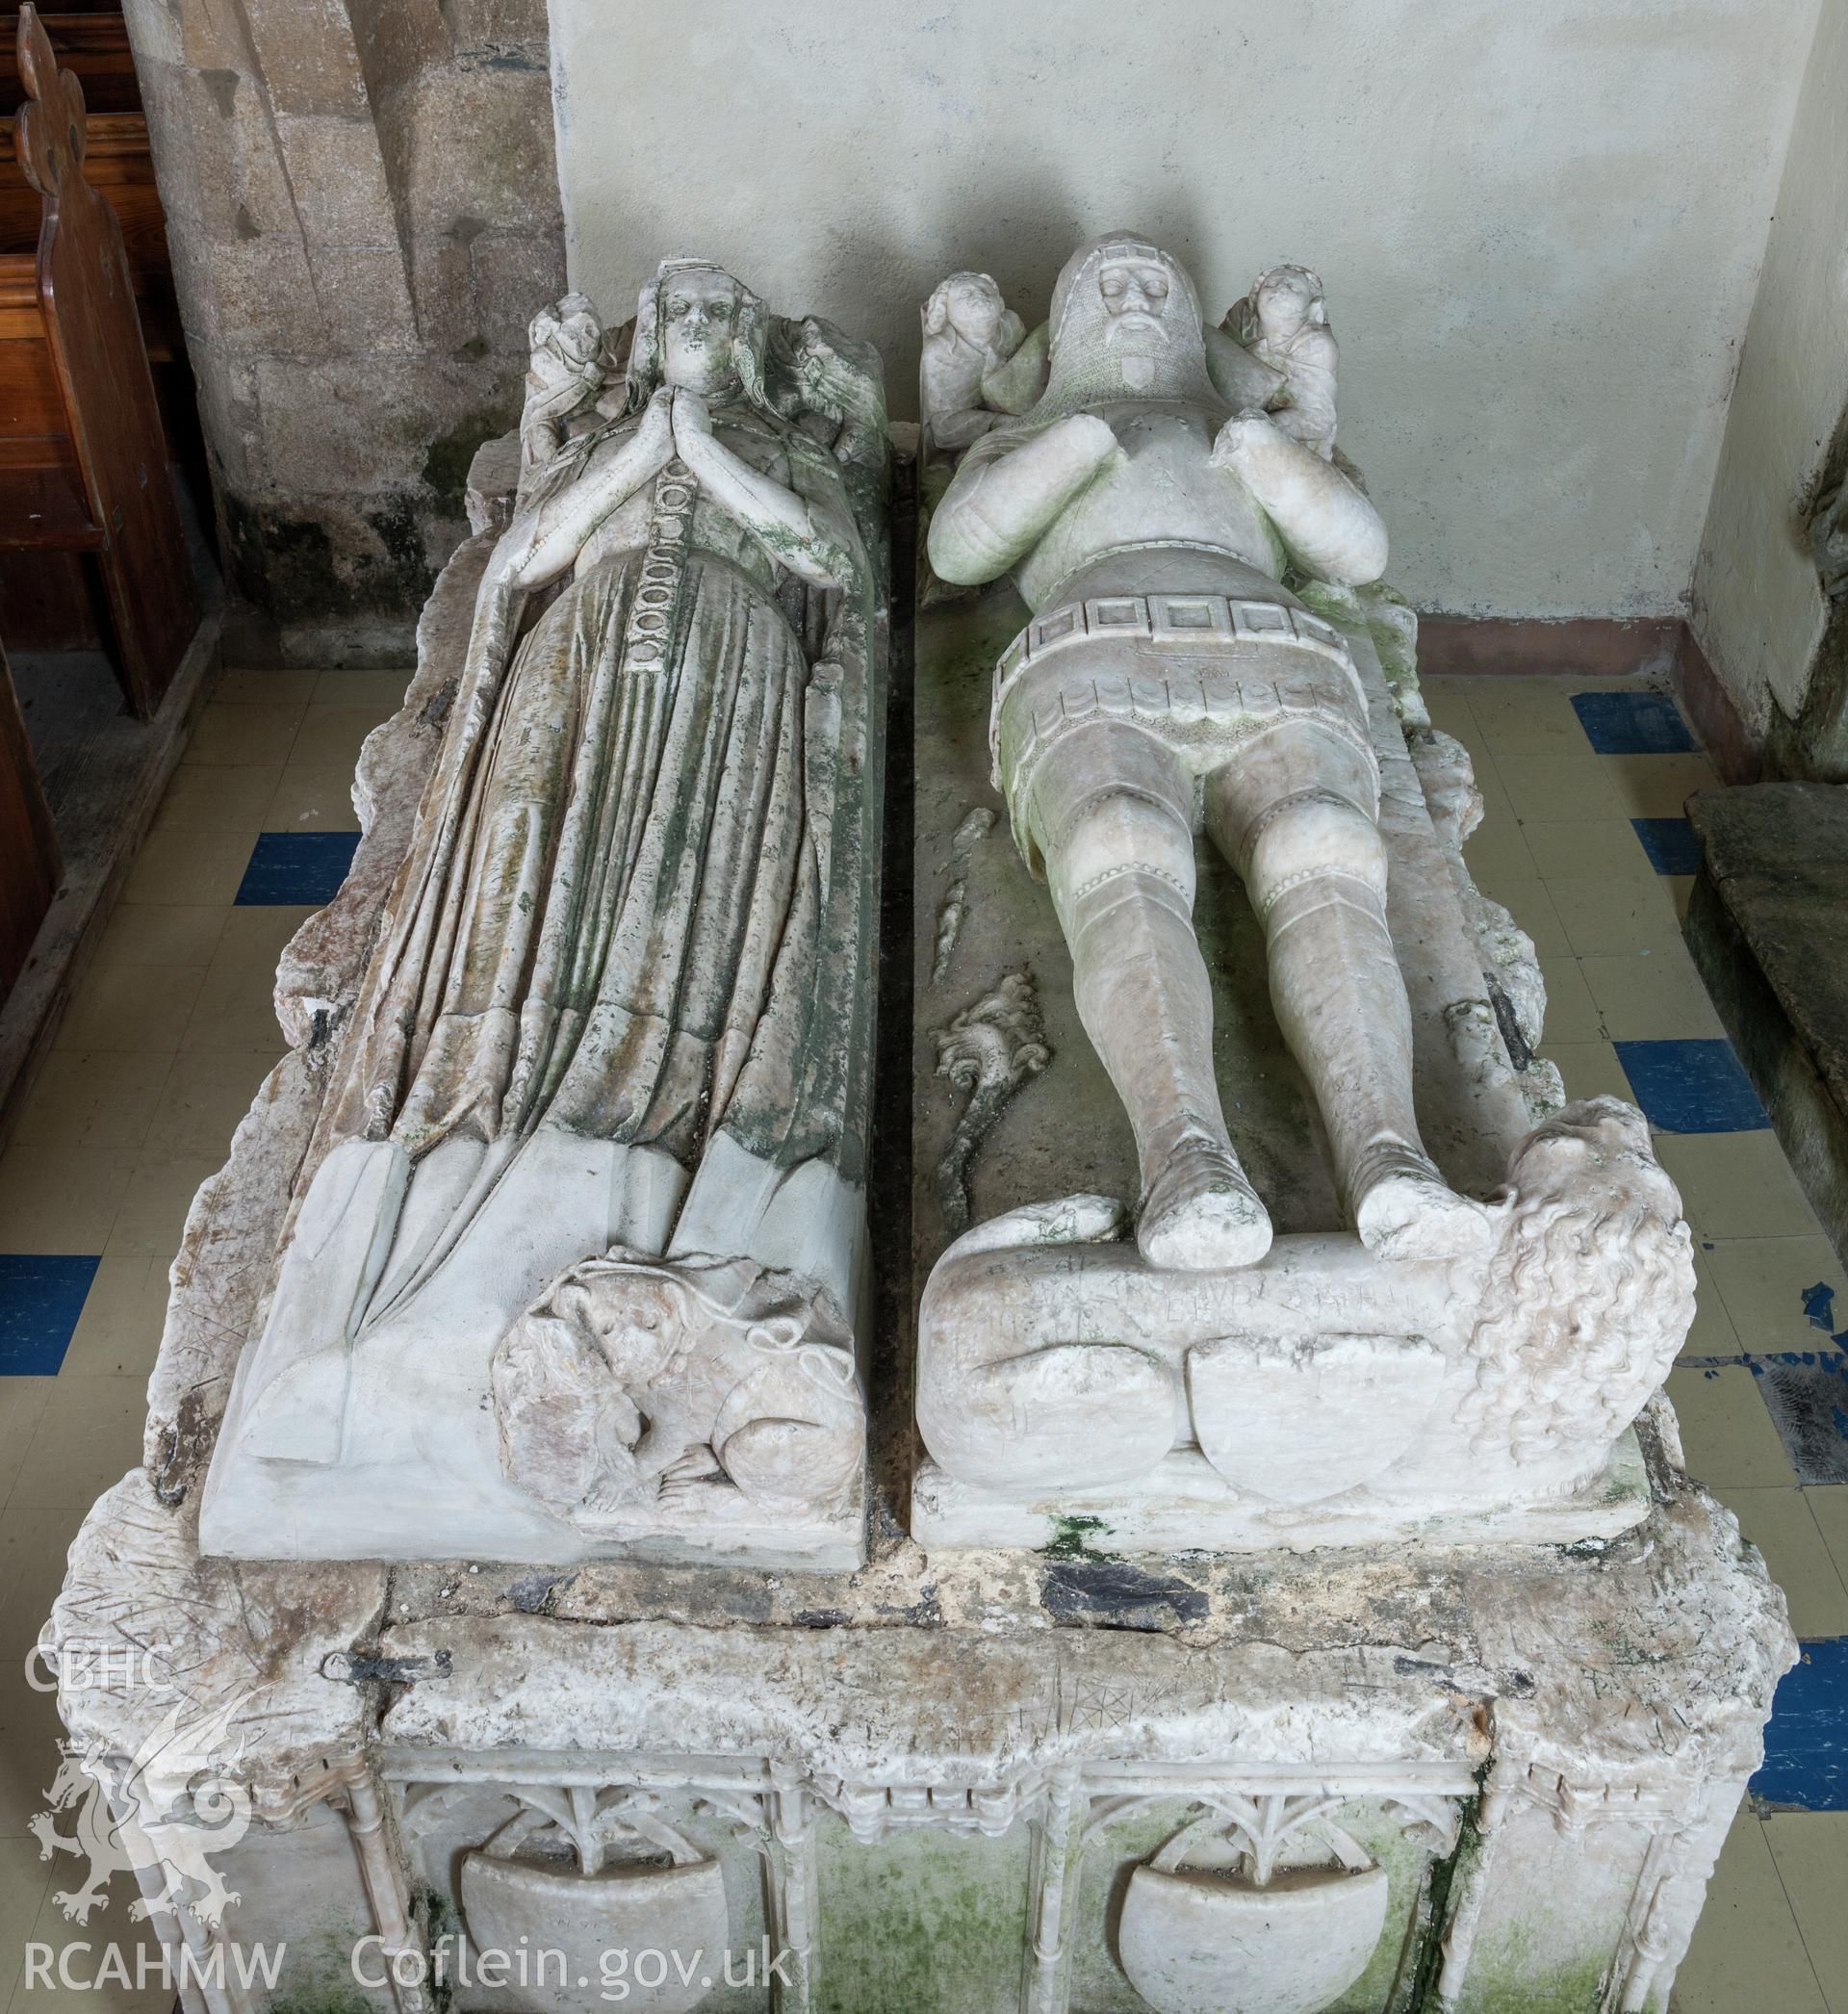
(577, 1258)
(535, 1597)
(1285, 1259)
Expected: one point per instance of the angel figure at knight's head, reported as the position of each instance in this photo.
(1283, 322)
(969, 331)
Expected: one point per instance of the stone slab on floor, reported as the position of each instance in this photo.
(1768, 926)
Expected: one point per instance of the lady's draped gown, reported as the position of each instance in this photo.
(623, 990)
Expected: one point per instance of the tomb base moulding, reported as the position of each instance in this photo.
(1370, 1781)
(969, 1735)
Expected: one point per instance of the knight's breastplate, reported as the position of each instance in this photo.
(1164, 493)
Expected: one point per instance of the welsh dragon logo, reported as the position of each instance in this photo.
(164, 1811)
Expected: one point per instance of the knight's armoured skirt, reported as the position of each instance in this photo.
(1205, 674)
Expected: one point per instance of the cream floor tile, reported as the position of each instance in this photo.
(191, 868)
(153, 1211)
(1571, 1013)
(35, 1545)
(1541, 739)
(1511, 701)
(133, 1008)
(256, 935)
(1763, 1283)
(1747, 1956)
(1497, 809)
(1726, 1431)
(1712, 1334)
(1497, 847)
(1527, 900)
(30, 1732)
(206, 1094)
(1590, 1069)
(1651, 997)
(1538, 786)
(331, 735)
(136, 1949)
(1658, 785)
(59, 1199)
(1828, 1507)
(1581, 847)
(285, 687)
(1810, 1849)
(118, 1333)
(88, 1437)
(1737, 1185)
(161, 933)
(261, 731)
(22, 1405)
(1681, 891)
(383, 692)
(235, 1010)
(1615, 914)
(93, 1098)
(24, 1879)
(313, 797)
(1450, 715)
(1520, 725)
(219, 797)
(1779, 1524)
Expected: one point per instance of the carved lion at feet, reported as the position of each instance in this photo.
(635, 1383)
(1590, 1291)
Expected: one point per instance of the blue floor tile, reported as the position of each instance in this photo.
(297, 866)
(1631, 723)
(1691, 1087)
(1806, 1746)
(41, 1298)
(1670, 843)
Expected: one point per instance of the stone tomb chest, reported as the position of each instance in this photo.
(1294, 1598)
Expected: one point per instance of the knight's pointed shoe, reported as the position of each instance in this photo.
(1404, 1209)
(1202, 1214)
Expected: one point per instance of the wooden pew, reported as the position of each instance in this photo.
(116, 165)
(83, 456)
(90, 43)
(30, 867)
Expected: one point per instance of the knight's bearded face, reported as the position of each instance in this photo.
(1135, 294)
(1125, 321)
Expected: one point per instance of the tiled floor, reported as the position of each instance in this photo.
(1583, 782)
(171, 1032)
(165, 1045)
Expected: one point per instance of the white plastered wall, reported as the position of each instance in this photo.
(1540, 225)
(1758, 608)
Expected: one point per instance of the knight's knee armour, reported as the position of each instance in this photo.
(1117, 843)
(1308, 836)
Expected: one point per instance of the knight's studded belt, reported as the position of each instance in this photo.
(1186, 621)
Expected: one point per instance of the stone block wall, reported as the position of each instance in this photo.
(362, 204)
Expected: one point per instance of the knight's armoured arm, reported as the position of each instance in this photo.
(1331, 531)
(1002, 504)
